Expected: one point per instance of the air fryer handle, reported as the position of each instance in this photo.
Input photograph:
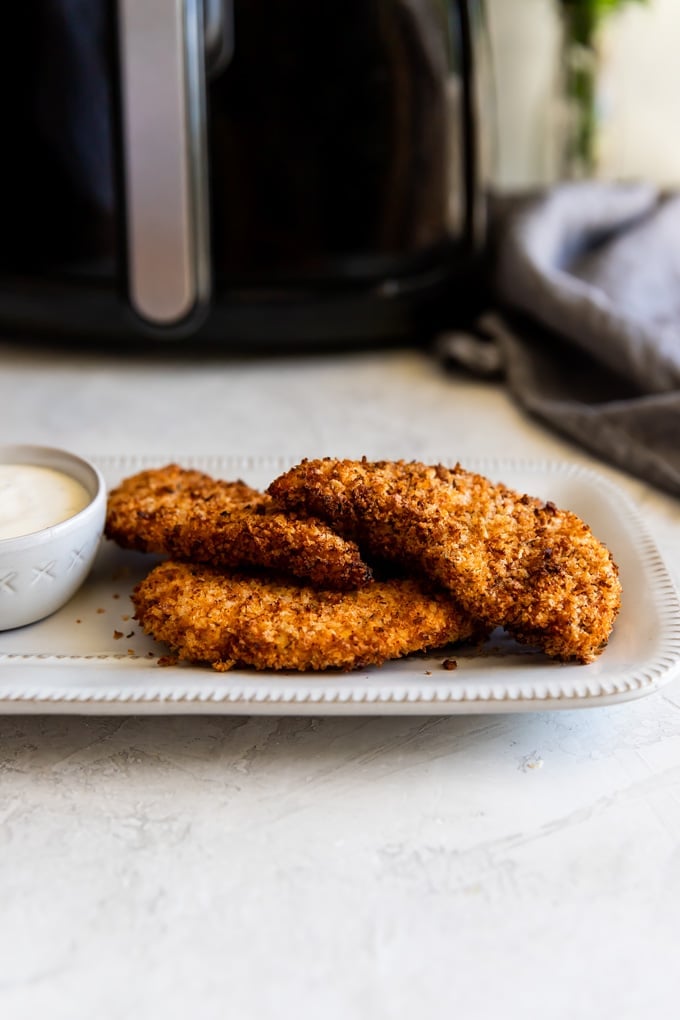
(165, 158)
(472, 22)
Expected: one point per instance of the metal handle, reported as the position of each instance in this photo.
(475, 118)
(218, 18)
(162, 58)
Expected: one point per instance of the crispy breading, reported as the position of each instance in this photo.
(191, 516)
(509, 559)
(231, 618)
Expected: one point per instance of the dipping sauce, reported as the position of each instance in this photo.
(33, 498)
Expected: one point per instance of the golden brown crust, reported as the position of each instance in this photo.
(191, 516)
(509, 559)
(227, 618)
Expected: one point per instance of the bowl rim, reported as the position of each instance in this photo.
(36, 455)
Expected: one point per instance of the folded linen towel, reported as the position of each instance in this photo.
(586, 283)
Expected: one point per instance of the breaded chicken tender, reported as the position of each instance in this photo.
(190, 516)
(509, 559)
(213, 616)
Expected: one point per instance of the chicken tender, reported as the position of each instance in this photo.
(190, 516)
(227, 619)
(510, 560)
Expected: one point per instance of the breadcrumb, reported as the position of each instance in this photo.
(227, 619)
(509, 559)
(191, 516)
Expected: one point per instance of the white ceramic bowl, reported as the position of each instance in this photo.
(39, 572)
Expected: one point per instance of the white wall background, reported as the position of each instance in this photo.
(639, 92)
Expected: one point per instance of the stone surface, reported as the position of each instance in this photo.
(482, 866)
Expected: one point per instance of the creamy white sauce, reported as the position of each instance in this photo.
(32, 498)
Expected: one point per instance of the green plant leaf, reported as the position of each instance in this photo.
(584, 16)
(598, 8)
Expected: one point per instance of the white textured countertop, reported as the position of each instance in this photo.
(476, 867)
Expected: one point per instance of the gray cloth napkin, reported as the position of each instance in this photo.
(587, 324)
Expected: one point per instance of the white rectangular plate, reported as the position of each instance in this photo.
(91, 657)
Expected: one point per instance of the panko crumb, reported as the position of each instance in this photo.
(208, 615)
(511, 560)
(190, 515)
(450, 664)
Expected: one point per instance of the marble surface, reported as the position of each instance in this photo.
(510, 866)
